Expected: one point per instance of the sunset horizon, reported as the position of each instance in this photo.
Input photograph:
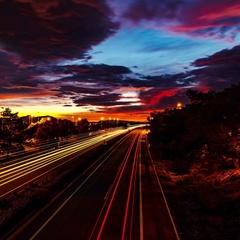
(114, 60)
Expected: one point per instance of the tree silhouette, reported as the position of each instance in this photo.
(83, 126)
(210, 121)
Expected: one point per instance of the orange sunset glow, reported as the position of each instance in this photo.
(110, 59)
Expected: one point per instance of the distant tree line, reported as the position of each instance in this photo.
(14, 131)
(205, 130)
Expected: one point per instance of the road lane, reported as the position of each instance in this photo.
(76, 218)
(15, 175)
(113, 219)
(157, 220)
(119, 198)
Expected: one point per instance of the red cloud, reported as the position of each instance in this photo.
(199, 18)
(205, 17)
(165, 93)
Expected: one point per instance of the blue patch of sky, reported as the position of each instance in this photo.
(154, 52)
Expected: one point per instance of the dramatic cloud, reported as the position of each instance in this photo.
(113, 56)
(44, 30)
(200, 18)
(219, 70)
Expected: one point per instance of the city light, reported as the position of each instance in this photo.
(101, 121)
(179, 106)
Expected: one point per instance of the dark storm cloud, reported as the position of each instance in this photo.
(152, 9)
(219, 70)
(151, 89)
(228, 21)
(202, 18)
(83, 91)
(99, 100)
(94, 78)
(130, 109)
(44, 30)
(93, 83)
(6, 66)
(224, 58)
(97, 70)
(12, 75)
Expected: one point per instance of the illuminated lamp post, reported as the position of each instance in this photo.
(179, 106)
(30, 119)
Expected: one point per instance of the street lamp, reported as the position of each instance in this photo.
(179, 106)
(30, 119)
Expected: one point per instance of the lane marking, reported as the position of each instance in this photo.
(108, 192)
(134, 191)
(65, 202)
(140, 195)
(115, 189)
(164, 198)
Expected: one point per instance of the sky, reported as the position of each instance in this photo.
(114, 58)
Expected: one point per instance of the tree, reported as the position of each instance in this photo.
(211, 120)
(8, 126)
(197, 97)
(83, 125)
(48, 129)
(65, 127)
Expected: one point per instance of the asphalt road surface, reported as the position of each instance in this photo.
(118, 197)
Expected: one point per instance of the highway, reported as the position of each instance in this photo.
(118, 197)
(16, 174)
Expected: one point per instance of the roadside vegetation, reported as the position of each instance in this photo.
(18, 134)
(197, 150)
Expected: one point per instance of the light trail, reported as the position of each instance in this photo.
(137, 155)
(120, 212)
(14, 171)
(140, 195)
(117, 179)
(106, 156)
(132, 177)
(107, 196)
(104, 213)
